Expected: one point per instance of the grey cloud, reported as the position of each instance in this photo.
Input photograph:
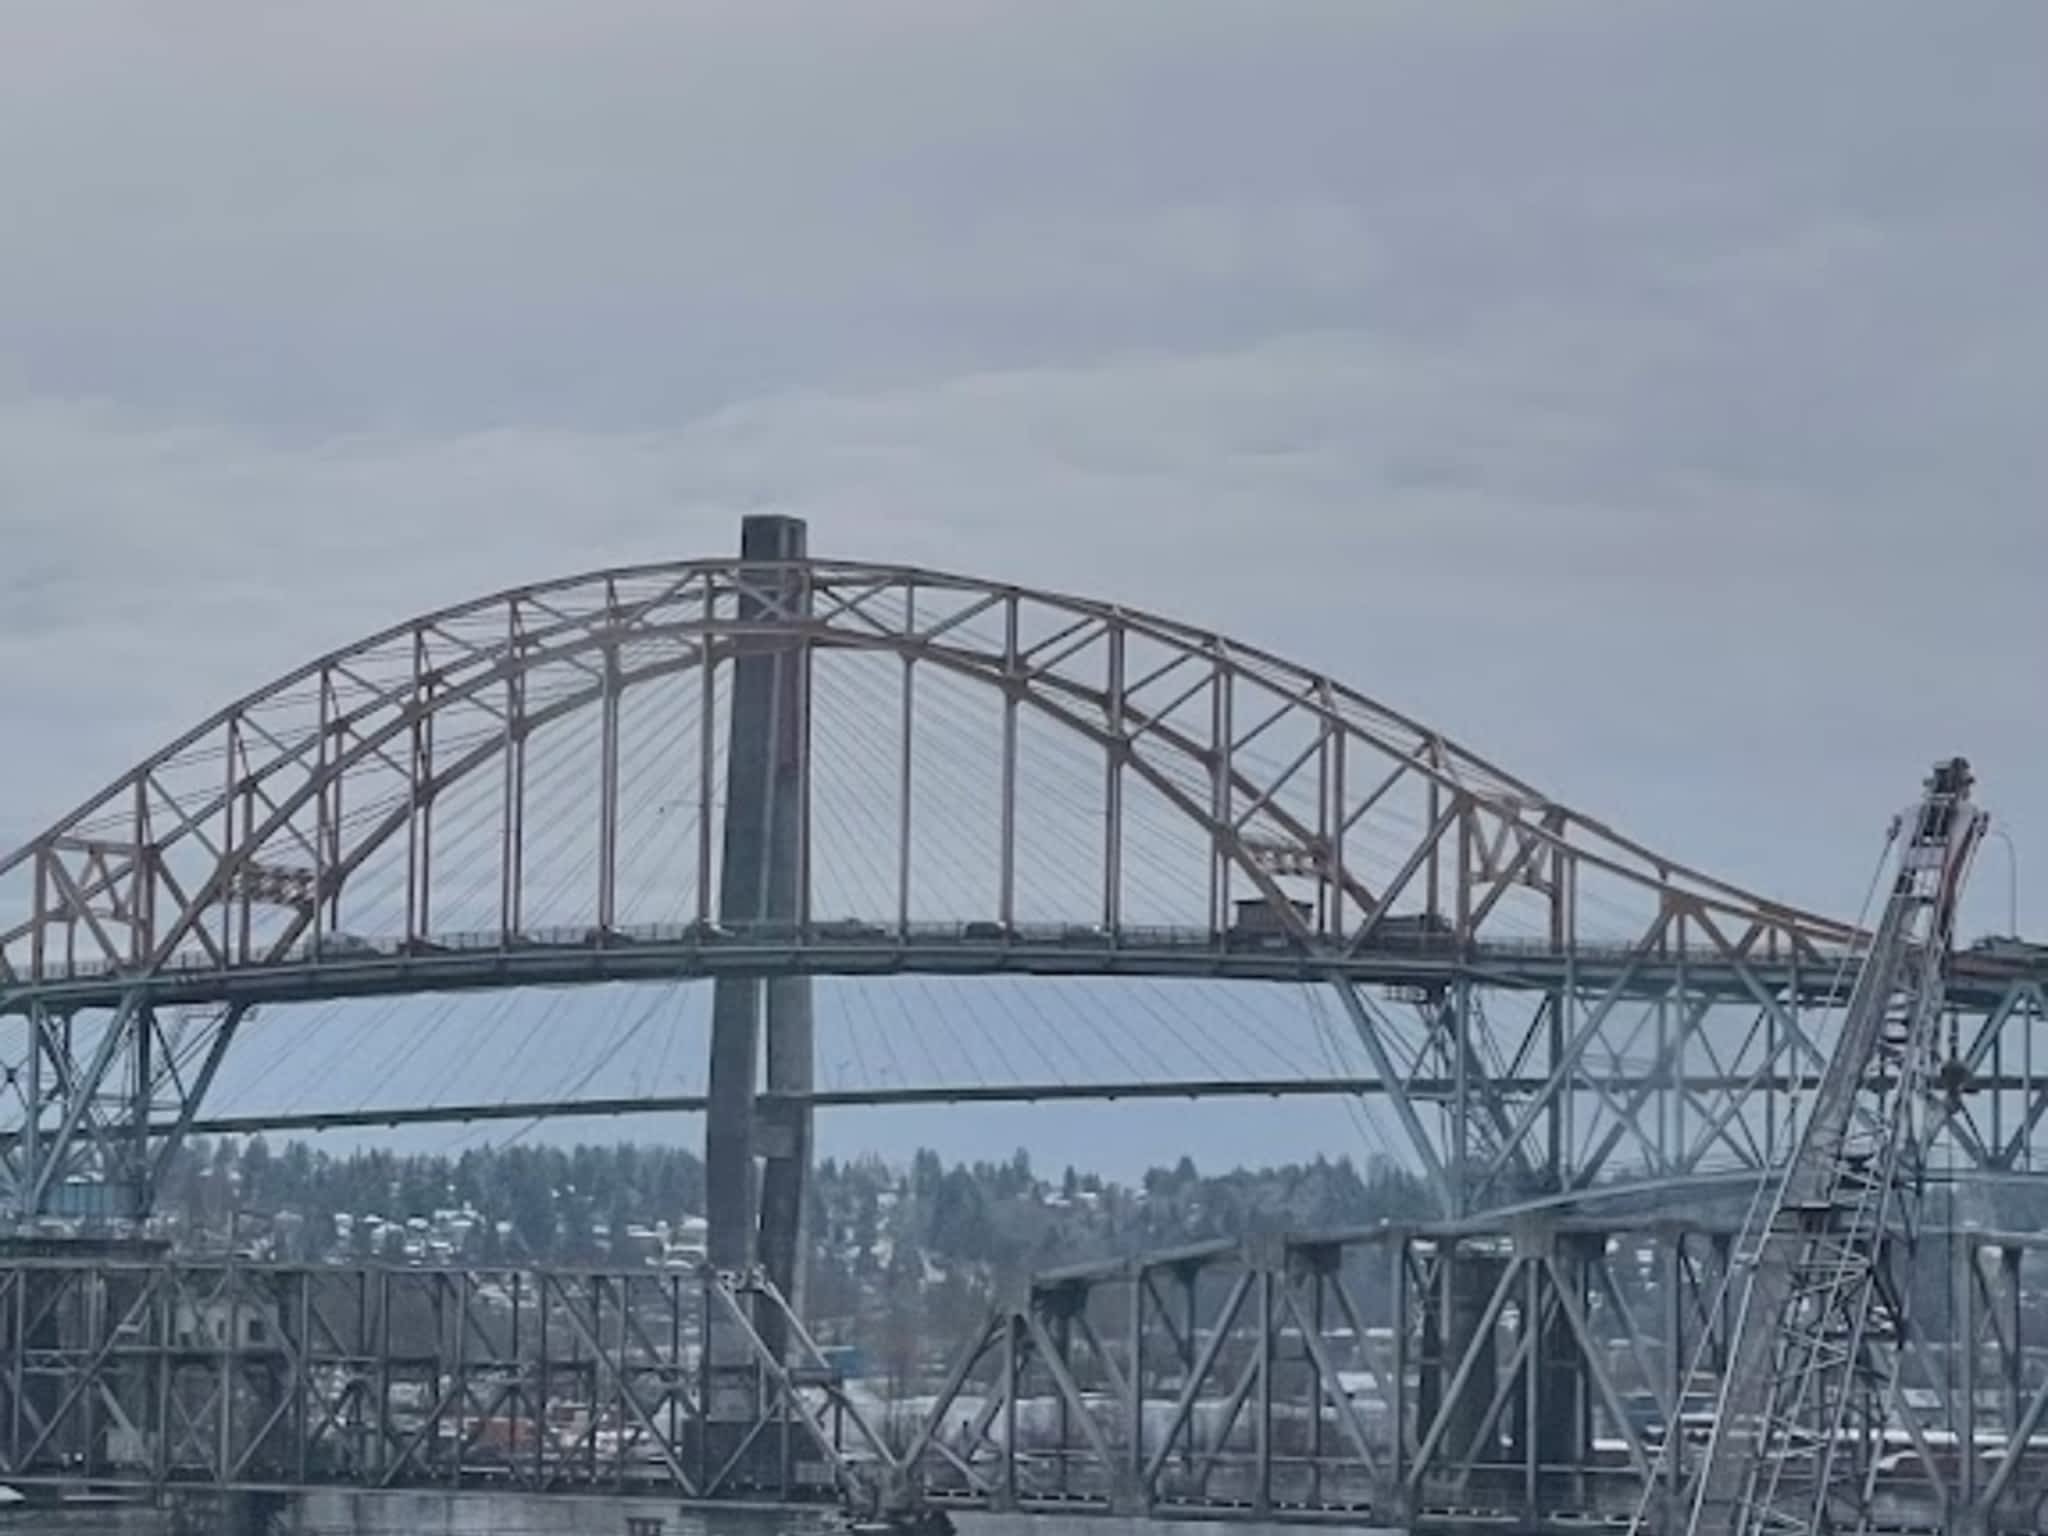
(1615, 635)
(473, 215)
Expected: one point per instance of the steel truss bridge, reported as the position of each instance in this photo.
(1543, 1368)
(769, 775)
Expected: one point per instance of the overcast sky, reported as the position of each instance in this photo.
(1648, 395)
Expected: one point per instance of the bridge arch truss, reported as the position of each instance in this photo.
(531, 790)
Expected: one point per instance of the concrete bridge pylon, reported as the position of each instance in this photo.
(758, 1216)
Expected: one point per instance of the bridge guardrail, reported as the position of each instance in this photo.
(340, 948)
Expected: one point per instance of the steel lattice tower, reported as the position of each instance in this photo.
(1813, 1366)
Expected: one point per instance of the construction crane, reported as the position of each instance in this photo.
(1810, 1363)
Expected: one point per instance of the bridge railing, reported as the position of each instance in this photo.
(850, 933)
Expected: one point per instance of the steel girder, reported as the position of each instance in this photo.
(125, 1372)
(1445, 1377)
(1532, 1374)
(101, 1102)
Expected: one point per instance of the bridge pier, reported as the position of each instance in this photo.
(1550, 1435)
(1459, 1372)
(204, 1512)
(763, 879)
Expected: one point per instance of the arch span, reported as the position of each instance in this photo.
(528, 789)
(310, 813)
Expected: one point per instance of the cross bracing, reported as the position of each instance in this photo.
(526, 794)
(1441, 1377)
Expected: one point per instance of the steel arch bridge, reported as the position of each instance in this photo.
(763, 769)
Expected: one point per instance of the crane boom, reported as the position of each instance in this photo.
(1810, 1362)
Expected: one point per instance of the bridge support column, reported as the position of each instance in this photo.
(75, 1159)
(762, 881)
(1550, 1428)
(1565, 1426)
(1458, 1367)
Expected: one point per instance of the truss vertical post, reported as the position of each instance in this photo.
(330, 799)
(29, 1162)
(1771, 1044)
(1134, 1457)
(1556, 1153)
(1677, 1351)
(135, 1180)
(1395, 1389)
(230, 1370)
(1461, 898)
(1687, 1034)
(415, 753)
(380, 1459)
(2029, 1089)
(1059, 1355)
(1317, 1385)
(608, 787)
(1006, 857)
(1433, 871)
(1012, 1370)
(461, 1372)
(239, 906)
(426, 790)
(2010, 1362)
(1221, 732)
(1337, 798)
(905, 782)
(1461, 1192)
(38, 938)
(1532, 1388)
(1262, 1494)
(1962, 1331)
(512, 831)
(1113, 786)
(707, 746)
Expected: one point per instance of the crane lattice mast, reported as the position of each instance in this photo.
(1807, 1391)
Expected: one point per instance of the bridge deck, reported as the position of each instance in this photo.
(357, 967)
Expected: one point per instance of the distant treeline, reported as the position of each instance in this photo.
(873, 1227)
